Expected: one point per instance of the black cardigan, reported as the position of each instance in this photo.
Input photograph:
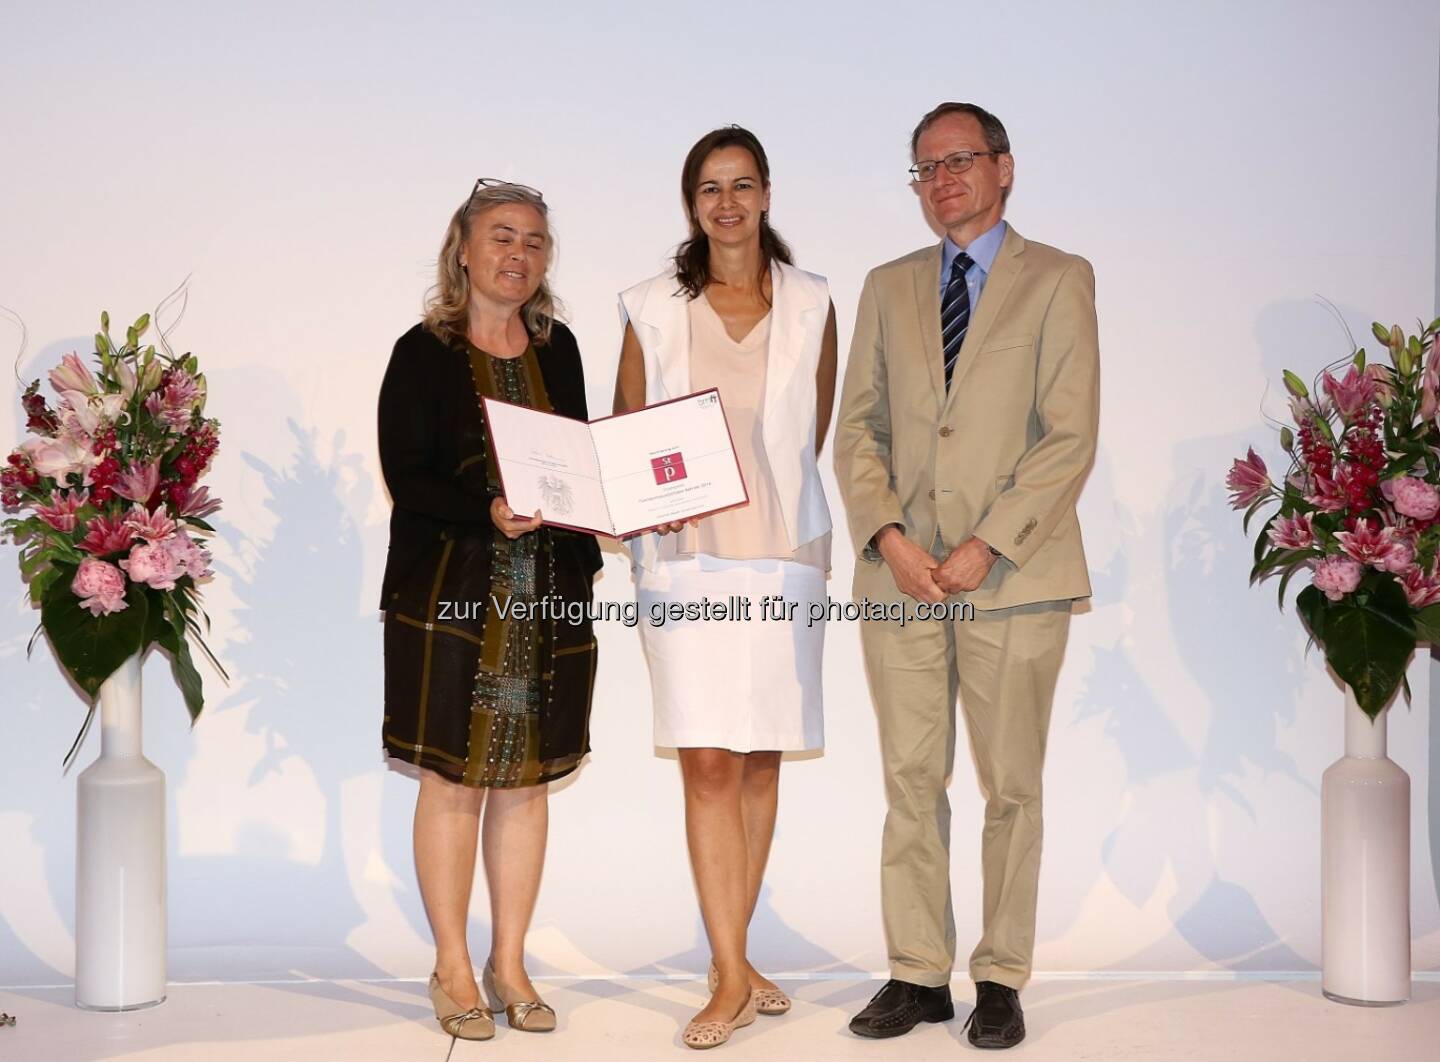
(433, 444)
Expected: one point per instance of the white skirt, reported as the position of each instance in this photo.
(748, 678)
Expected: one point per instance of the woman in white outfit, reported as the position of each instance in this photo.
(731, 696)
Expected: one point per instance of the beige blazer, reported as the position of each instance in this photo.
(1004, 454)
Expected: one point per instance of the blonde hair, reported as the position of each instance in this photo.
(447, 304)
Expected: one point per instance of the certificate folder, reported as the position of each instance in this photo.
(620, 475)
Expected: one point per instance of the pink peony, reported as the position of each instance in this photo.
(1293, 532)
(1351, 394)
(60, 513)
(153, 564)
(100, 587)
(1414, 497)
(153, 526)
(1376, 546)
(1421, 588)
(1336, 576)
(1247, 480)
(1402, 557)
(190, 558)
(106, 534)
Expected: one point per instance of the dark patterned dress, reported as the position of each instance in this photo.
(476, 689)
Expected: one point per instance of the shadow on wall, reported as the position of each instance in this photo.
(311, 693)
(1242, 652)
(37, 816)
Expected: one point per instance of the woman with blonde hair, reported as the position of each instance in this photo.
(489, 703)
(734, 313)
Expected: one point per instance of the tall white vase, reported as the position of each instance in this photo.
(1365, 868)
(120, 861)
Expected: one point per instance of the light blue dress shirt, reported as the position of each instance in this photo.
(982, 250)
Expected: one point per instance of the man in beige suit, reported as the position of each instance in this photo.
(966, 429)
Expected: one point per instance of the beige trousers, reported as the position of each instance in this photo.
(1003, 663)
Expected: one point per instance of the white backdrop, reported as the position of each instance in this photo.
(1221, 165)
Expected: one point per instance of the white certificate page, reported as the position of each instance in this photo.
(547, 464)
(621, 474)
(669, 461)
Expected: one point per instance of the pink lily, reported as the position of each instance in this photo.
(153, 526)
(138, 482)
(1421, 588)
(1352, 393)
(1248, 480)
(60, 513)
(105, 534)
(73, 375)
(1372, 544)
(59, 456)
(1293, 532)
(193, 501)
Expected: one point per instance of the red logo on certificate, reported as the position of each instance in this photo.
(669, 468)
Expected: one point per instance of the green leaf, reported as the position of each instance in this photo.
(91, 647)
(1255, 505)
(1262, 543)
(195, 521)
(172, 640)
(1310, 603)
(1427, 625)
(1285, 581)
(1369, 638)
(41, 583)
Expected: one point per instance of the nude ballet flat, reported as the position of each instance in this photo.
(477, 1023)
(533, 1016)
(703, 1034)
(767, 1000)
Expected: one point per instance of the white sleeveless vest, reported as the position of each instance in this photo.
(657, 310)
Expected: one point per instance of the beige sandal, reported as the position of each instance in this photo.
(532, 1016)
(767, 1000)
(703, 1034)
(477, 1023)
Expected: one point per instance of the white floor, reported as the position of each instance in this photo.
(1113, 1020)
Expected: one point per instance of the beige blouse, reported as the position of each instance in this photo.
(738, 369)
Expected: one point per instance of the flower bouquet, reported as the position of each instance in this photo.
(1359, 509)
(109, 496)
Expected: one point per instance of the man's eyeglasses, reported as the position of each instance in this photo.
(955, 162)
(496, 182)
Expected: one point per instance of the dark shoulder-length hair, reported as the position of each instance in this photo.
(692, 259)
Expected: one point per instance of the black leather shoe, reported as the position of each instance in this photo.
(997, 1020)
(899, 1007)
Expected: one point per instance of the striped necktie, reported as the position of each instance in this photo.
(955, 313)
